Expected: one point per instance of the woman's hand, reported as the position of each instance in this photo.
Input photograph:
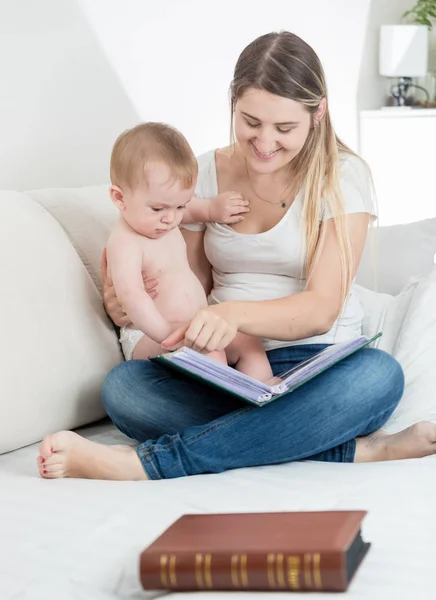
(111, 304)
(212, 328)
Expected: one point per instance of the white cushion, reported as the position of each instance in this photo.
(385, 313)
(415, 349)
(87, 215)
(375, 306)
(408, 323)
(57, 343)
(394, 254)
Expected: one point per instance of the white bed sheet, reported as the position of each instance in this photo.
(80, 540)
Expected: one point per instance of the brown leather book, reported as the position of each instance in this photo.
(256, 551)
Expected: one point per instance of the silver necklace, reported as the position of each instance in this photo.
(281, 202)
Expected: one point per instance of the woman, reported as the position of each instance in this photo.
(283, 274)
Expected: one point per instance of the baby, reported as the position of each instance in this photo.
(153, 175)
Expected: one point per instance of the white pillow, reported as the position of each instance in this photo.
(375, 306)
(87, 216)
(57, 342)
(396, 253)
(408, 323)
(415, 349)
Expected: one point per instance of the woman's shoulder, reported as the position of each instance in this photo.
(206, 180)
(356, 186)
(211, 165)
(353, 167)
(205, 159)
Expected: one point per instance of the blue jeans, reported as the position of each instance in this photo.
(186, 428)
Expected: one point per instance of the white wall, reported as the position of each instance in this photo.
(77, 72)
(176, 57)
(61, 102)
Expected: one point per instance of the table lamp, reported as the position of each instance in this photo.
(403, 53)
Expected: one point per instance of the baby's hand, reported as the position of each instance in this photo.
(228, 207)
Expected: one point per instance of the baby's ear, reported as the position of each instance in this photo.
(117, 196)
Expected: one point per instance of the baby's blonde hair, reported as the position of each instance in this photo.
(136, 148)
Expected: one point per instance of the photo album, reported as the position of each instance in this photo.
(227, 379)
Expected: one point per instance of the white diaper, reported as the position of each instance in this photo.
(128, 340)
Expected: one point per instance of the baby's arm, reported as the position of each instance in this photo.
(124, 254)
(227, 207)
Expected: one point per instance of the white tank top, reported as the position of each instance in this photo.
(269, 265)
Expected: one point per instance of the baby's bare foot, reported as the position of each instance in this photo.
(414, 442)
(66, 454)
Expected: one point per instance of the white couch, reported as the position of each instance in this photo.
(80, 539)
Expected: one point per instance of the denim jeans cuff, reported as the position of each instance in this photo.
(145, 453)
(350, 451)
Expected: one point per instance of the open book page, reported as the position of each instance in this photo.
(321, 360)
(211, 371)
(220, 374)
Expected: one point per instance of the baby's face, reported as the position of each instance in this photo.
(156, 207)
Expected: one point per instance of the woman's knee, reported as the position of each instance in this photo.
(133, 397)
(120, 388)
(382, 375)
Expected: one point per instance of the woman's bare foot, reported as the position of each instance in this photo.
(66, 454)
(414, 442)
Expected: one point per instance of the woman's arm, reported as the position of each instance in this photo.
(197, 257)
(313, 311)
(302, 315)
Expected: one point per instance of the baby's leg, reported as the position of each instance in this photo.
(147, 348)
(136, 345)
(219, 355)
(248, 356)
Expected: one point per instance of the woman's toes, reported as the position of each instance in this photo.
(50, 471)
(66, 454)
(46, 447)
(53, 475)
(53, 468)
(40, 464)
(53, 472)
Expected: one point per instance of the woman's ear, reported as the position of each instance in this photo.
(319, 115)
(117, 197)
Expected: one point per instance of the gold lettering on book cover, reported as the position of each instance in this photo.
(270, 570)
(307, 571)
(234, 570)
(293, 568)
(199, 570)
(173, 578)
(244, 574)
(317, 571)
(163, 570)
(280, 571)
(207, 570)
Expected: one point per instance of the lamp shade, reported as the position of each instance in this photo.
(403, 50)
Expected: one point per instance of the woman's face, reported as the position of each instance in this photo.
(271, 130)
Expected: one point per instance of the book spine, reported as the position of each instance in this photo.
(218, 571)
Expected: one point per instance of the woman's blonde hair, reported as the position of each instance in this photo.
(283, 64)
